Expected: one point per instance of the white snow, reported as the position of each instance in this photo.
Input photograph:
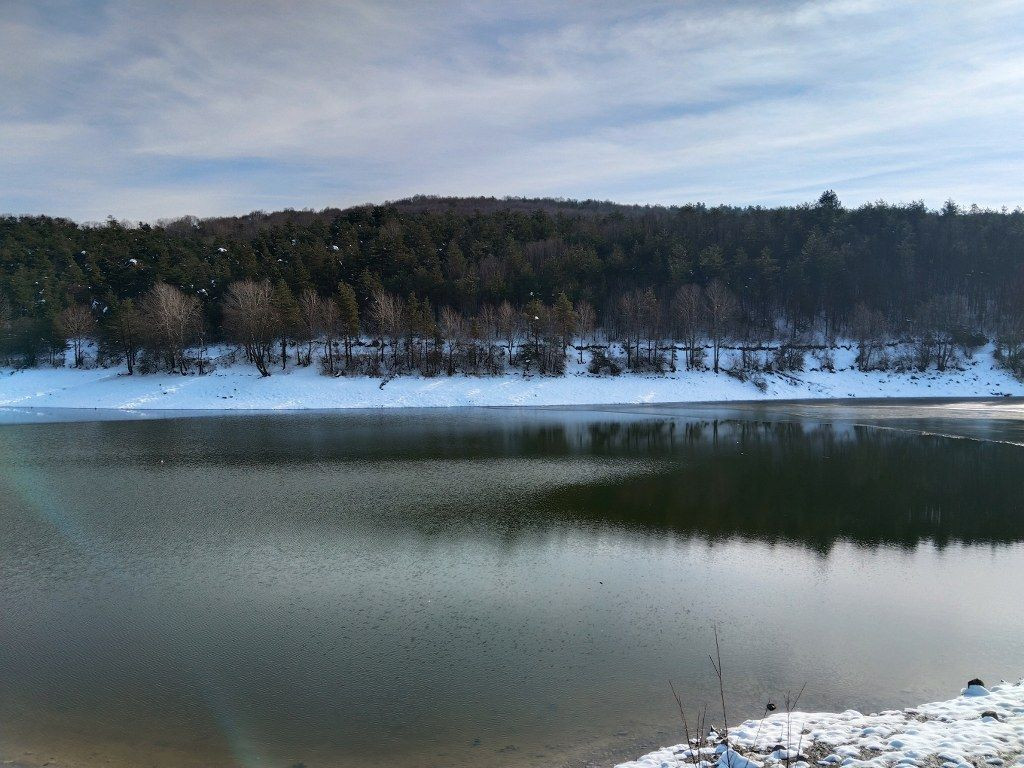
(240, 387)
(966, 732)
(730, 758)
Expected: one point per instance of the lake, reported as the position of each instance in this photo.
(482, 587)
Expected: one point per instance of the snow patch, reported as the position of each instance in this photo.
(241, 387)
(965, 732)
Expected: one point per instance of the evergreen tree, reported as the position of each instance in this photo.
(565, 320)
(287, 310)
(348, 314)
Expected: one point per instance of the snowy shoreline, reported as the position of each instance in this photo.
(240, 387)
(981, 728)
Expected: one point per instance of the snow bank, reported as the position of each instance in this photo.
(241, 387)
(980, 728)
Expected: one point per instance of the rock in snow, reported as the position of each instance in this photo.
(973, 730)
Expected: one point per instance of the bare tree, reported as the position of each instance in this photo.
(943, 321)
(629, 324)
(452, 328)
(387, 313)
(586, 320)
(868, 328)
(78, 325)
(649, 321)
(689, 314)
(1010, 334)
(639, 321)
(251, 319)
(474, 335)
(508, 327)
(172, 319)
(488, 321)
(722, 309)
(536, 321)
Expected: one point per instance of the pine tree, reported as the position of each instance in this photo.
(348, 317)
(287, 310)
(122, 328)
(565, 320)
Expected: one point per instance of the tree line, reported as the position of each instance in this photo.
(443, 285)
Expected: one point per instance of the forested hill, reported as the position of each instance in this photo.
(803, 266)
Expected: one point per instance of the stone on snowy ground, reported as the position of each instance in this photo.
(975, 687)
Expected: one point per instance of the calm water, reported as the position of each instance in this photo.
(491, 588)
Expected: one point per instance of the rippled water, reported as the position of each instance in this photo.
(484, 587)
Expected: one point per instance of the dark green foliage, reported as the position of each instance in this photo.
(801, 265)
(460, 253)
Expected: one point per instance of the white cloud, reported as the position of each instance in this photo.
(145, 110)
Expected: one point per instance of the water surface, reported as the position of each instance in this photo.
(491, 587)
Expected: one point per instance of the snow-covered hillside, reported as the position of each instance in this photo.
(981, 727)
(240, 387)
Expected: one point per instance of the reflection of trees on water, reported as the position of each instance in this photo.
(803, 481)
(815, 484)
(243, 440)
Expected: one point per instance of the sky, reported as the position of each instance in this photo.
(145, 110)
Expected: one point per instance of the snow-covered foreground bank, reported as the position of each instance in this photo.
(980, 728)
(241, 387)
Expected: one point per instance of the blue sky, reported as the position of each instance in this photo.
(144, 110)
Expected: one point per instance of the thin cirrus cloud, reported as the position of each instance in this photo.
(144, 110)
